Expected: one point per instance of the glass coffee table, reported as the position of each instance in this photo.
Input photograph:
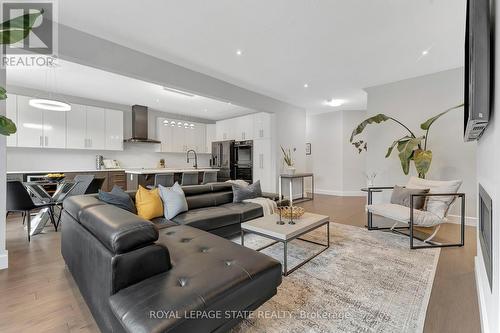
(268, 227)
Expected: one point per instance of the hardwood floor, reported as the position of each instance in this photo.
(38, 294)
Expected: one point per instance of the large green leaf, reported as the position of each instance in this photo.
(406, 149)
(375, 119)
(427, 124)
(7, 126)
(15, 30)
(402, 140)
(423, 159)
(3, 93)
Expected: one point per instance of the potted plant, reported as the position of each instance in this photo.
(288, 167)
(410, 147)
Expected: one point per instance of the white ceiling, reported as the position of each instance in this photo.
(83, 81)
(338, 47)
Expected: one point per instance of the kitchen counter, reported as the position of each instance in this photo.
(167, 170)
(60, 171)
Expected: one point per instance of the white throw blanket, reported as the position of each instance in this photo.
(268, 206)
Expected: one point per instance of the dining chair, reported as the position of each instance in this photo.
(19, 200)
(94, 186)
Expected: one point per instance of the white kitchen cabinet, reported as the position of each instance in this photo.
(76, 131)
(114, 130)
(200, 138)
(175, 139)
(211, 136)
(250, 127)
(96, 127)
(243, 128)
(226, 129)
(11, 105)
(263, 168)
(89, 127)
(190, 138)
(164, 135)
(30, 124)
(83, 127)
(39, 128)
(54, 129)
(262, 124)
(178, 139)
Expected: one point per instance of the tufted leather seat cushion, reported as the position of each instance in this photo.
(208, 274)
(208, 218)
(247, 211)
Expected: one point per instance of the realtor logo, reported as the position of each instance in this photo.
(38, 47)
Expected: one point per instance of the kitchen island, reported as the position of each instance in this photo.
(145, 176)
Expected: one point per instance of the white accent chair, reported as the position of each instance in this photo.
(441, 196)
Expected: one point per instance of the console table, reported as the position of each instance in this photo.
(290, 179)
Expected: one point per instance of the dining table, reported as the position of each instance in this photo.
(39, 194)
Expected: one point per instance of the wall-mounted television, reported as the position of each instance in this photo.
(477, 69)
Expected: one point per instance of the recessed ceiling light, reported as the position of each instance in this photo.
(306, 85)
(239, 52)
(334, 102)
(425, 52)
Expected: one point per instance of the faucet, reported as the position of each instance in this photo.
(195, 158)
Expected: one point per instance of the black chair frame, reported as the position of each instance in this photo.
(410, 227)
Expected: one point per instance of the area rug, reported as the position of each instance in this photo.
(367, 281)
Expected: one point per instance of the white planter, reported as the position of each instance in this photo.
(289, 170)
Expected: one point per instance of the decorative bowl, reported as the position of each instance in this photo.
(55, 177)
(296, 212)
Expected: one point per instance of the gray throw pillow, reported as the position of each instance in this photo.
(174, 200)
(241, 193)
(401, 196)
(119, 198)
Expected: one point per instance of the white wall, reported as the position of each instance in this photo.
(353, 163)
(338, 168)
(488, 160)
(413, 101)
(3, 250)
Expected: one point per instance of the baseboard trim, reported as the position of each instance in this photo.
(340, 193)
(4, 260)
(469, 220)
(480, 295)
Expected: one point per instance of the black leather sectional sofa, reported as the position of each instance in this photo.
(166, 276)
(211, 208)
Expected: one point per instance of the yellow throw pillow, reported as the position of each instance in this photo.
(148, 203)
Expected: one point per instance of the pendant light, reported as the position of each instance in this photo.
(50, 103)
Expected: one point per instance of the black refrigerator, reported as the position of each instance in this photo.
(223, 159)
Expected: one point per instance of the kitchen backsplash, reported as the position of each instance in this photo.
(133, 156)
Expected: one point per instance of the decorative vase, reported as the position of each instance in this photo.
(289, 170)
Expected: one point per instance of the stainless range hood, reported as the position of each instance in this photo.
(140, 125)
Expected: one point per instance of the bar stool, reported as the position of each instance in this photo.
(209, 177)
(164, 179)
(189, 178)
